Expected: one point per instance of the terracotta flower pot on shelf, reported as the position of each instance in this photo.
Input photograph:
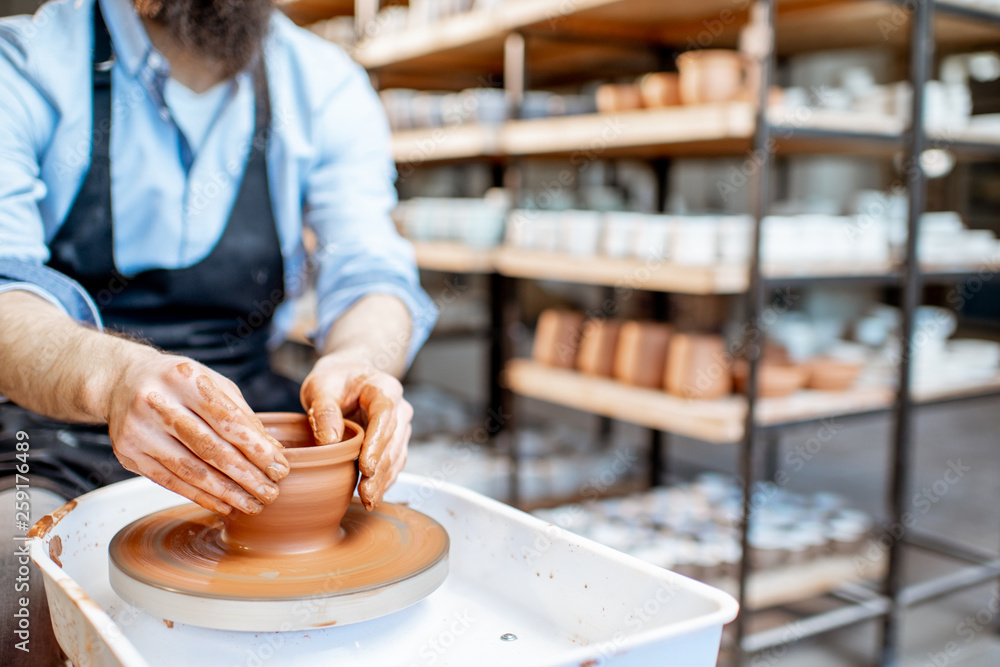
(660, 89)
(698, 367)
(826, 374)
(598, 347)
(713, 75)
(641, 353)
(312, 499)
(557, 338)
(774, 380)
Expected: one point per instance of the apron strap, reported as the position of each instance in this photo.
(103, 61)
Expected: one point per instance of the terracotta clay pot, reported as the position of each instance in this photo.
(660, 89)
(698, 367)
(557, 338)
(598, 347)
(774, 380)
(613, 97)
(312, 499)
(713, 75)
(641, 353)
(827, 374)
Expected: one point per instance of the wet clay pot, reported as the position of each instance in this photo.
(713, 75)
(312, 499)
(660, 89)
(597, 347)
(697, 367)
(557, 338)
(641, 353)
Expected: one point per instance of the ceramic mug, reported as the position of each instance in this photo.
(713, 75)
(660, 89)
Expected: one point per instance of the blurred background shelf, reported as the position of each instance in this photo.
(653, 275)
(656, 275)
(469, 46)
(717, 421)
(794, 583)
(701, 130)
(309, 11)
(453, 257)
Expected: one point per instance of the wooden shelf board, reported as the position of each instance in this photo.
(826, 120)
(596, 133)
(720, 422)
(717, 421)
(717, 129)
(650, 275)
(803, 25)
(304, 12)
(711, 129)
(858, 23)
(445, 143)
(453, 257)
(945, 391)
(805, 581)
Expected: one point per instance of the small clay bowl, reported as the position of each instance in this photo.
(774, 380)
(312, 499)
(832, 375)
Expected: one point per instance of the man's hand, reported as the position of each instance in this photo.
(339, 385)
(188, 429)
(171, 419)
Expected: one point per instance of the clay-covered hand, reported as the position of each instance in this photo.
(188, 429)
(338, 386)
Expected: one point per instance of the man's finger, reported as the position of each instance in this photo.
(239, 428)
(155, 471)
(381, 428)
(372, 488)
(326, 419)
(199, 474)
(205, 444)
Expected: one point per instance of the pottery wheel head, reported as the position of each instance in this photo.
(174, 565)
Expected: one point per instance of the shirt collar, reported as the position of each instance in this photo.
(132, 46)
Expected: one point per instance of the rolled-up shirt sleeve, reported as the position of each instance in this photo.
(26, 125)
(348, 199)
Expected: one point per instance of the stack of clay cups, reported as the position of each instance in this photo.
(639, 353)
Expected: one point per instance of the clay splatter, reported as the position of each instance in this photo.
(45, 524)
(55, 549)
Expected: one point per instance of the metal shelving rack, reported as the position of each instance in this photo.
(861, 603)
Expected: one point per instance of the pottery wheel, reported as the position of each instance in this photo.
(174, 564)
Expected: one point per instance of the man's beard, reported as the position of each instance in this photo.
(229, 32)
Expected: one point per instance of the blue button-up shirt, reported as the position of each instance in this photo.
(328, 160)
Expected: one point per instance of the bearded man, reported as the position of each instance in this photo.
(159, 163)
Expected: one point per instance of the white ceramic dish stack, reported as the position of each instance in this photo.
(568, 601)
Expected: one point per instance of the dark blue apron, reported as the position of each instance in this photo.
(217, 311)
